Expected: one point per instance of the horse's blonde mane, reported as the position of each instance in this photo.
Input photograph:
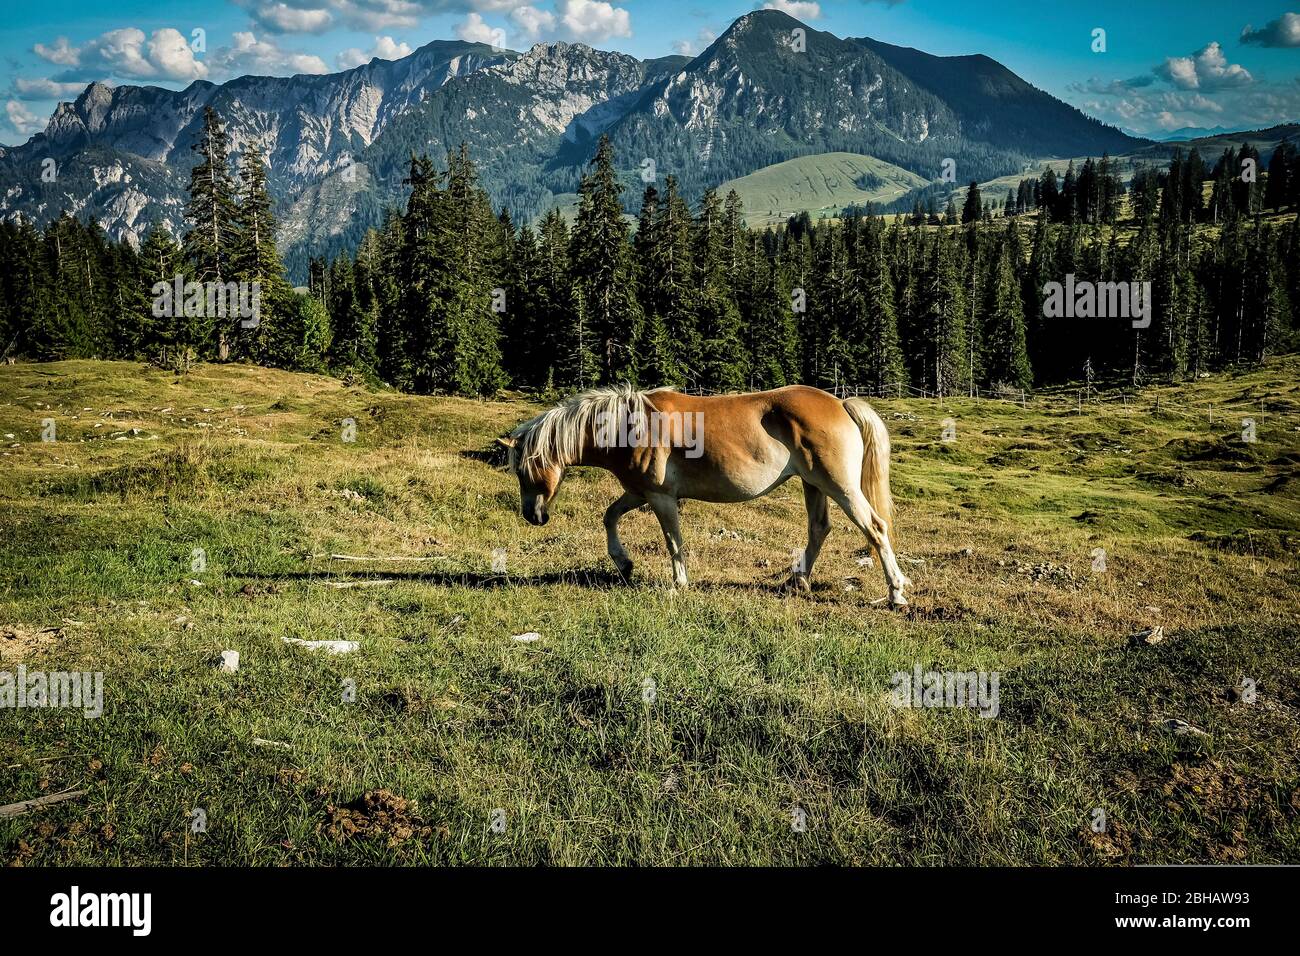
(559, 435)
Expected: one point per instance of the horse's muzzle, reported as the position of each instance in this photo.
(537, 514)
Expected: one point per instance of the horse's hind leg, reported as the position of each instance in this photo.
(819, 525)
(628, 502)
(860, 512)
(665, 509)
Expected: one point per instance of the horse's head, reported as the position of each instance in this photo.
(538, 481)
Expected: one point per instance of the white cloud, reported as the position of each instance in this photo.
(23, 120)
(799, 9)
(475, 30)
(61, 52)
(1208, 69)
(379, 14)
(593, 20)
(316, 16)
(1255, 106)
(262, 58)
(171, 54)
(1284, 32)
(692, 47)
(128, 53)
(385, 48)
(280, 17)
(43, 89)
(532, 23)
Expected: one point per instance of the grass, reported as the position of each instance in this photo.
(645, 725)
(822, 184)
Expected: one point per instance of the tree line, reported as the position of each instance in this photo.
(449, 295)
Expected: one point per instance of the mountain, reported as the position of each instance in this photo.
(768, 90)
(516, 115)
(123, 153)
(1197, 132)
(994, 105)
(763, 93)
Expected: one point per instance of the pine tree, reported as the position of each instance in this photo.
(879, 355)
(724, 365)
(603, 271)
(971, 211)
(943, 304)
(1004, 352)
(1277, 189)
(451, 331)
(563, 338)
(211, 211)
(255, 260)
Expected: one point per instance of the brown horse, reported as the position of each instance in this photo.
(663, 446)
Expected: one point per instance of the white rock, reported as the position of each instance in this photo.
(527, 637)
(329, 647)
(228, 662)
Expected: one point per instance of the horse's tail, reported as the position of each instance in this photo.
(875, 459)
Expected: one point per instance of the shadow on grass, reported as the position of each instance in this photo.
(585, 577)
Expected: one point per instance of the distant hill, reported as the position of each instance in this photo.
(1196, 132)
(1211, 147)
(825, 183)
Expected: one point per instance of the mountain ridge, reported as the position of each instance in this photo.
(767, 90)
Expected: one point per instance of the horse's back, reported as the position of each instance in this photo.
(803, 401)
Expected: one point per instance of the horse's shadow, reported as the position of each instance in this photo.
(594, 578)
(475, 580)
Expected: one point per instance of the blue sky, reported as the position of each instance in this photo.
(1165, 65)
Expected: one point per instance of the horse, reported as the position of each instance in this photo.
(664, 446)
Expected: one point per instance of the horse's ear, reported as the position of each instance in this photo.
(507, 441)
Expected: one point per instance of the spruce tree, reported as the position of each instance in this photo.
(1004, 354)
(973, 207)
(211, 212)
(603, 271)
(255, 260)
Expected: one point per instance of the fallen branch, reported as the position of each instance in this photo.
(376, 582)
(23, 806)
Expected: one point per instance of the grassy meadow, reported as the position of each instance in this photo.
(643, 725)
(822, 185)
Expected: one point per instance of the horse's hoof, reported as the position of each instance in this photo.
(896, 599)
(624, 570)
(799, 582)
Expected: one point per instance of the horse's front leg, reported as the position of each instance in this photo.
(665, 509)
(628, 502)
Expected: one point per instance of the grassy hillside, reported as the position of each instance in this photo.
(643, 725)
(821, 184)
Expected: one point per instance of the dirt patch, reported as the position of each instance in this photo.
(17, 642)
(376, 813)
(937, 612)
(1112, 844)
